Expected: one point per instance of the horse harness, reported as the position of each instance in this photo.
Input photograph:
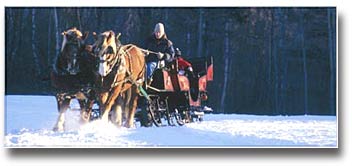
(118, 67)
(58, 70)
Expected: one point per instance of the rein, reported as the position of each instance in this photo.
(147, 51)
(122, 54)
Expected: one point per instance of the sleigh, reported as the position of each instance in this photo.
(176, 98)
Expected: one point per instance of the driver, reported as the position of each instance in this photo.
(158, 42)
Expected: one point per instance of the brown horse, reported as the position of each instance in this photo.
(121, 71)
(72, 75)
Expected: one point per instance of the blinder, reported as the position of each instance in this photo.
(73, 58)
(106, 52)
(111, 61)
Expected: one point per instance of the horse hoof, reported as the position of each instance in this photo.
(130, 126)
(57, 129)
(117, 125)
(83, 121)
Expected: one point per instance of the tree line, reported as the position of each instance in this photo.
(274, 61)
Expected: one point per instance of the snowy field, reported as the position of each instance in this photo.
(29, 120)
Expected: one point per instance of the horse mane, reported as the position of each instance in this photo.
(112, 40)
(73, 33)
(107, 33)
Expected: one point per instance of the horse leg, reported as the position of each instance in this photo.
(89, 108)
(63, 105)
(109, 102)
(84, 118)
(117, 112)
(132, 107)
(102, 101)
(125, 105)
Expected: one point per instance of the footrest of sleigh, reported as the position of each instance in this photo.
(95, 114)
(197, 116)
(198, 113)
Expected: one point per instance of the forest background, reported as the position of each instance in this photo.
(272, 61)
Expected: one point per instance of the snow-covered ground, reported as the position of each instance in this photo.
(29, 120)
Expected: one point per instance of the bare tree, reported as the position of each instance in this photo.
(332, 61)
(79, 18)
(11, 31)
(275, 61)
(49, 57)
(188, 41)
(34, 50)
(57, 36)
(304, 59)
(283, 60)
(226, 66)
(200, 32)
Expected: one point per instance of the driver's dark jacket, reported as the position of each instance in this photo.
(162, 45)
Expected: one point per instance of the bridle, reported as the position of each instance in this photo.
(72, 57)
(108, 57)
(111, 62)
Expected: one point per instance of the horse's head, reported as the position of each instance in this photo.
(72, 46)
(105, 49)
